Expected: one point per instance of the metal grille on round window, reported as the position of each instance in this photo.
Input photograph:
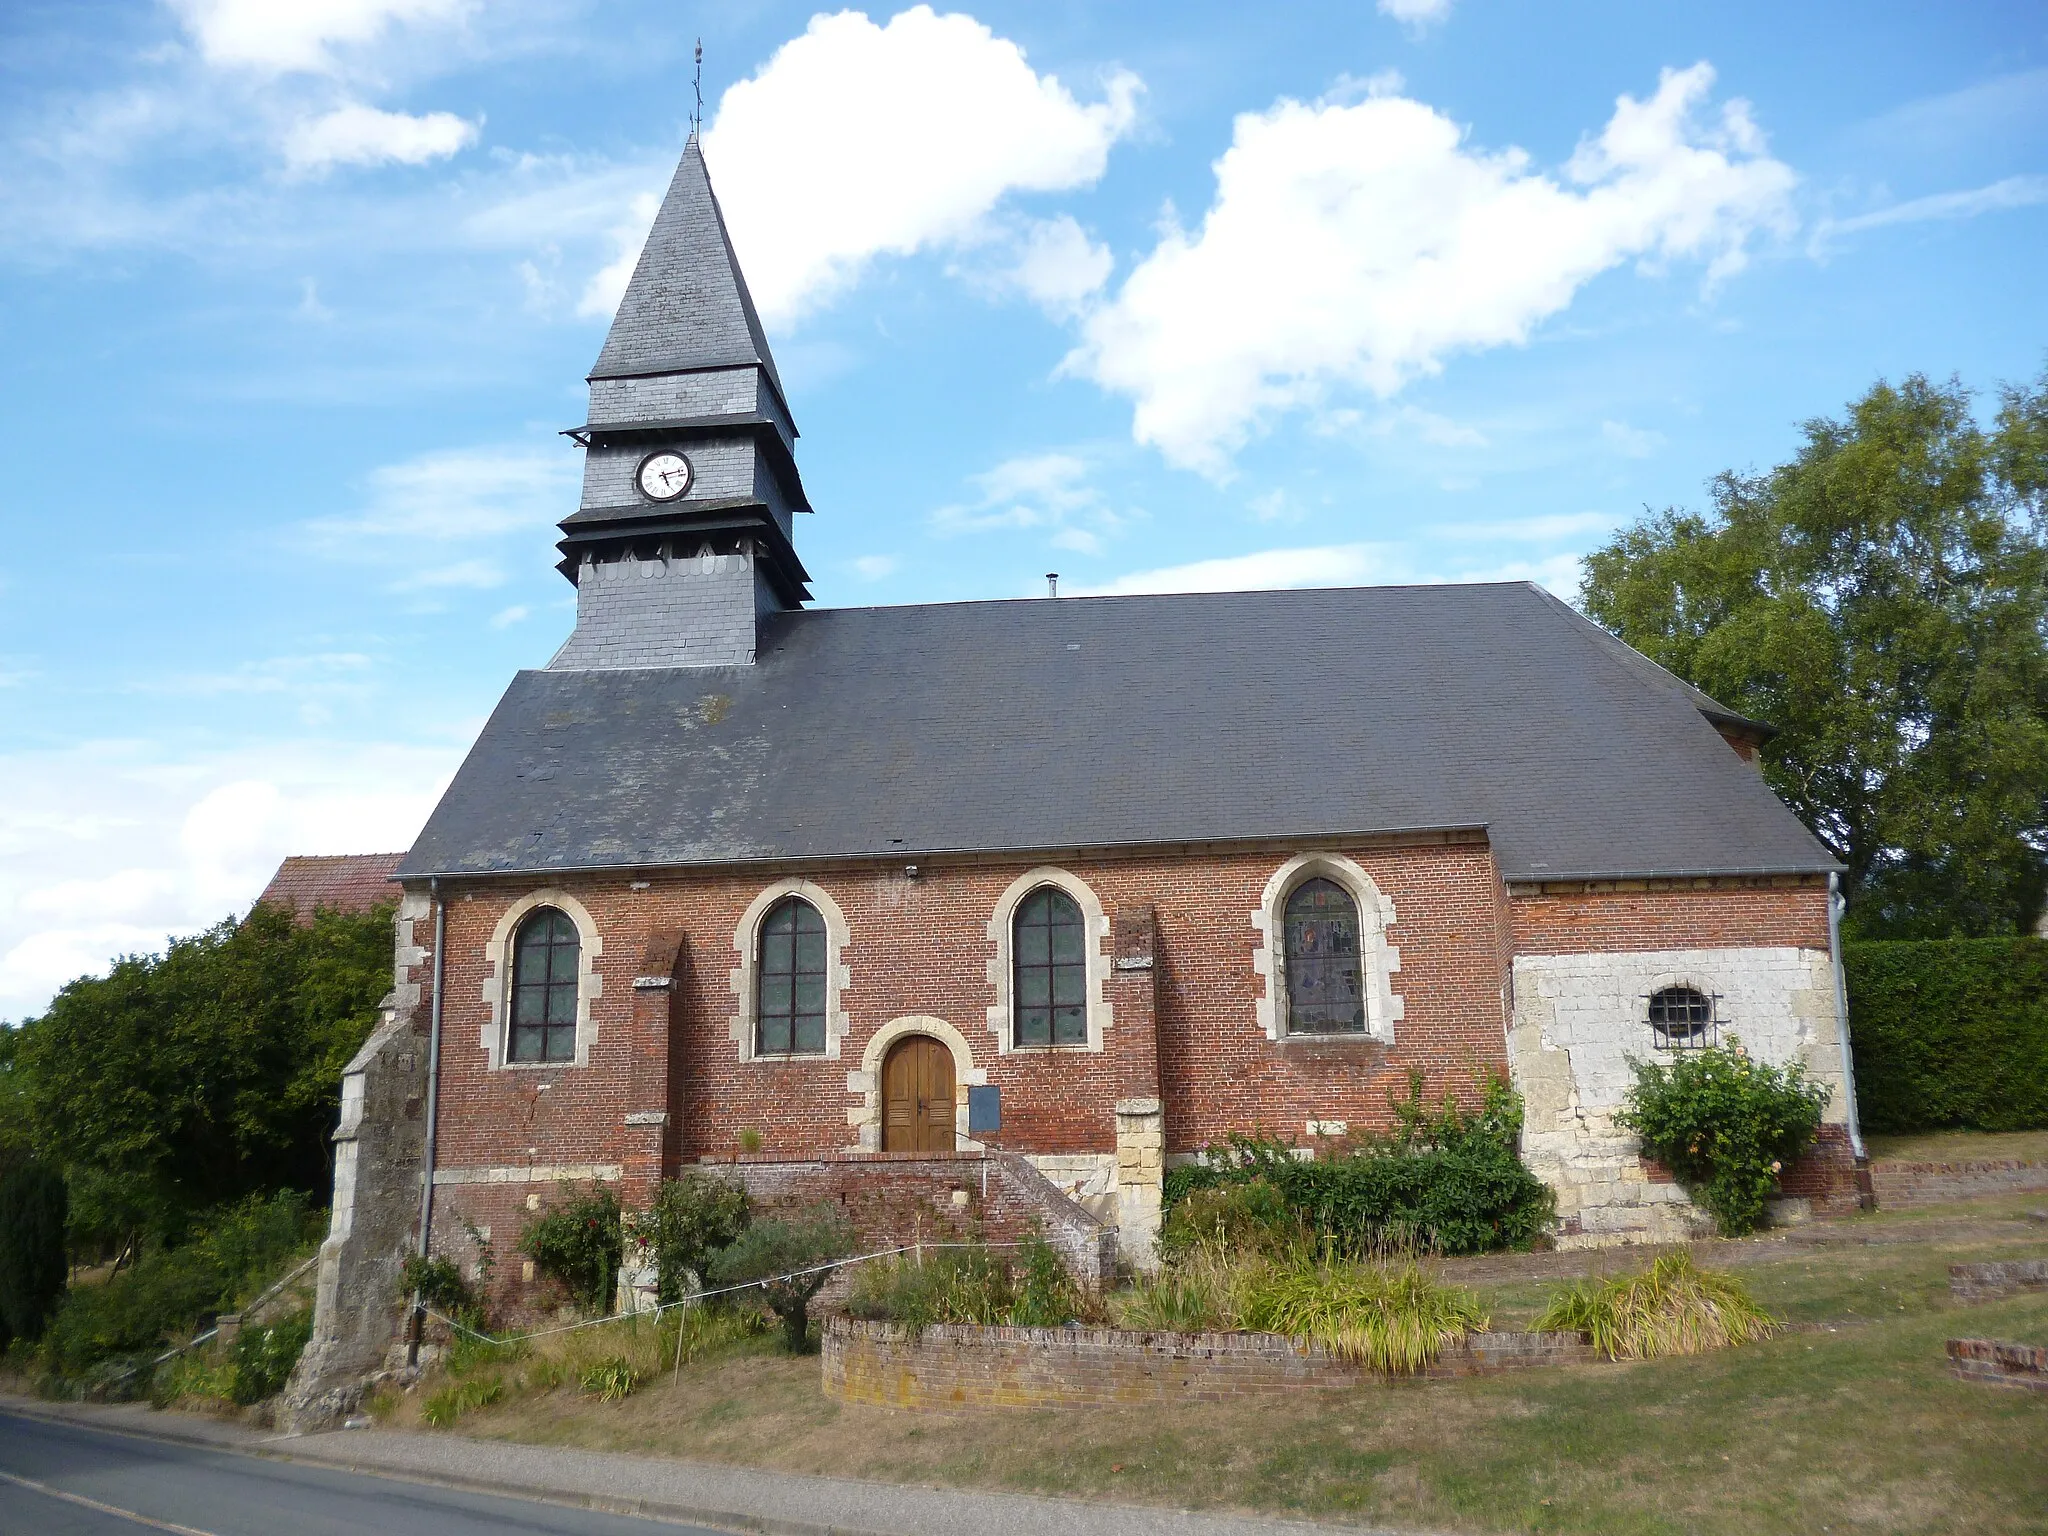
(1325, 983)
(1051, 970)
(544, 962)
(791, 1006)
(1682, 1018)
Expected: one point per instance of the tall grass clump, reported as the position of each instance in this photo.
(1672, 1308)
(971, 1283)
(1396, 1320)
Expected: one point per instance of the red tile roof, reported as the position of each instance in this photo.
(344, 882)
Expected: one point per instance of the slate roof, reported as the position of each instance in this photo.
(1068, 723)
(346, 882)
(687, 306)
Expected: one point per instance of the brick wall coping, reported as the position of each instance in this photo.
(956, 1366)
(1972, 1165)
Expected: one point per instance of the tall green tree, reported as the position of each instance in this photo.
(1881, 599)
(211, 1072)
(34, 1260)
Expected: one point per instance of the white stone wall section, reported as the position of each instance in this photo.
(1577, 1021)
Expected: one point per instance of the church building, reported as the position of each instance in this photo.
(734, 878)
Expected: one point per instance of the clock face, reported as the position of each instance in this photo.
(664, 476)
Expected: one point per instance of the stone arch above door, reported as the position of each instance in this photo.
(866, 1117)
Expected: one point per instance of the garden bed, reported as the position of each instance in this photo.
(952, 1366)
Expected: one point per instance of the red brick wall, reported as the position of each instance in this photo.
(1609, 916)
(921, 947)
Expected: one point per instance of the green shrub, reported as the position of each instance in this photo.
(1444, 1182)
(34, 1263)
(691, 1219)
(970, 1283)
(264, 1356)
(778, 1247)
(1672, 1308)
(170, 1292)
(1950, 1034)
(439, 1283)
(579, 1245)
(452, 1402)
(1724, 1125)
(609, 1380)
(1252, 1217)
(1395, 1320)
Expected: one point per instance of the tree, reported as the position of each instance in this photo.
(34, 1262)
(788, 1257)
(181, 1081)
(1881, 600)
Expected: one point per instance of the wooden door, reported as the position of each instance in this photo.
(917, 1096)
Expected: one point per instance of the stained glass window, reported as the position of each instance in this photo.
(544, 963)
(1051, 970)
(1681, 1017)
(1325, 987)
(790, 1005)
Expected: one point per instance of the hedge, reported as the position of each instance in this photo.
(1950, 1034)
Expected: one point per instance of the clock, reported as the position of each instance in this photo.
(664, 475)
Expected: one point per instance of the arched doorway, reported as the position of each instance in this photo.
(917, 1096)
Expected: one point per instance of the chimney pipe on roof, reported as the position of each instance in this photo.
(1052, 583)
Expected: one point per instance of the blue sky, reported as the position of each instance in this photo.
(294, 301)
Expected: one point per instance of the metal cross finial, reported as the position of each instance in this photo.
(697, 117)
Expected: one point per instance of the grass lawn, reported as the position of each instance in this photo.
(1851, 1424)
(1960, 1146)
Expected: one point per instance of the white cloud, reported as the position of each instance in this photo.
(1416, 15)
(505, 618)
(456, 494)
(354, 134)
(608, 284)
(1357, 246)
(875, 567)
(856, 140)
(1630, 442)
(2012, 192)
(191, 840)
(1059, 268)
(481, 574)
(283, 36)
(1052, 491)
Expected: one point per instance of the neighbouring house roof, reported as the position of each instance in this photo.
(686, 306)
(1073, 723)
(343, 882)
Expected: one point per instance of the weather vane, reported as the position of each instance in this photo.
(697, 117)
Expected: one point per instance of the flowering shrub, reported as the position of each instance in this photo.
(1724, 1125)
(579, 1245)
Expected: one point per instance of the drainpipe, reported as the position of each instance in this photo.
(419, 1305)
(1836, 902)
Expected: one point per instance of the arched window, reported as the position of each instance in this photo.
(1681, 1018)
(1325, 986)
(545, 952)
(790, 1002)
(1048, 943)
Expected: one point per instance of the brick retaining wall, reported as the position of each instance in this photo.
(948, 1367)
(2000, 1363)
(1903, 1184)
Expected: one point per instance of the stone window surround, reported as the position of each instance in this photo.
(1379, 960)
(746, 941)
(865, 1118)
(497, 994)
(1002, 974)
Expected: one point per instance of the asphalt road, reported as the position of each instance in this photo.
(121, 1485)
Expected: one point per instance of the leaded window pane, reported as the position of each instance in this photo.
(1325, 982)
(1050, 973)
(791, 986)
(546, 955)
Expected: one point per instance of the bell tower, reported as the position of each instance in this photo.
(683, 537)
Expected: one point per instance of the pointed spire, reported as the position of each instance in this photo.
(687, 306)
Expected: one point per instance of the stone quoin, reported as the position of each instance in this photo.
(738, 880)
